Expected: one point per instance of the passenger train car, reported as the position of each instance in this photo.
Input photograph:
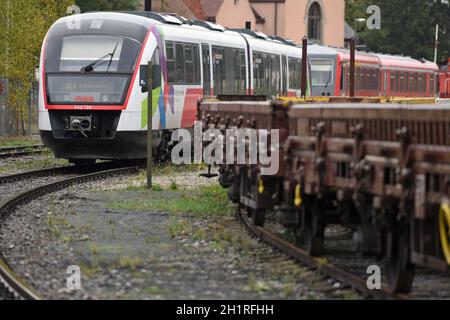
(91, 104)
(375, 74)
(444, 81)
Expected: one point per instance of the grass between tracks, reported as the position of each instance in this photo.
(44, 160)
(19, 141)
(211, 200)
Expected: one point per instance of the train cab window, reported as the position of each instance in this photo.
(78, 65)
(322, 72)
(295, 73)
(183, 63)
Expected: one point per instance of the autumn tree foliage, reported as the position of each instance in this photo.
(107, 5)
(23, 26)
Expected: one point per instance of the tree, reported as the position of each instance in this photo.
(407, 26)
(107, 5)
(24, 24)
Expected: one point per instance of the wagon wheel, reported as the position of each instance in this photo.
(164, 150)
(313, 227)
(258, 217)
(400, 270)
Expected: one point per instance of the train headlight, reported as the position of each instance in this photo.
(85, 124)
(75, 124)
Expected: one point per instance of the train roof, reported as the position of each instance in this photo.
(321, 50)
(197, 29)
(390, 61)
(360, 56)
(207, 30)
(134, 19)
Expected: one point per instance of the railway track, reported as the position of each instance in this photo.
(20, 151)
(323, 266)
(12, 286)
(344, 265)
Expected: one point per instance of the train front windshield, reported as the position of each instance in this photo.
(322, 72)
(91, 66)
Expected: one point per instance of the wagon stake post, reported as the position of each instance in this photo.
(304, 66)
(149, 124)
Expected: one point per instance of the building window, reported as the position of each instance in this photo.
(315, 22)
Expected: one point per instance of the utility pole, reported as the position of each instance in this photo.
(148, 5)
(436, 43)
(150, 124)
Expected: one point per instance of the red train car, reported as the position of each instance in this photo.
(407, 77)
(375, 74)
(367, 73)
(444, 81)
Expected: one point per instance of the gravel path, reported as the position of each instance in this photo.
(147, 254)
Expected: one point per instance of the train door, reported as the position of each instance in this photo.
(206, 66)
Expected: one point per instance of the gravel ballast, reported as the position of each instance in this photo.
(149, 254)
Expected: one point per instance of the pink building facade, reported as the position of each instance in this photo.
(323, 21)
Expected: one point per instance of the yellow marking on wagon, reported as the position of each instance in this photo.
(444, 229)
(298, 196)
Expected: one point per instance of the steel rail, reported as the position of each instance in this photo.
(19, 151)
(35, 173)
(11, 284)
(321, 265)
(64, 170)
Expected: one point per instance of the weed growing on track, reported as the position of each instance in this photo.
(45, 160)
(206, 200)
(19, 141)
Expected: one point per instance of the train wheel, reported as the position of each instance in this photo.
(400, 270)
(233, 193)
(162, 153)
(258, 217)
(313, 227)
